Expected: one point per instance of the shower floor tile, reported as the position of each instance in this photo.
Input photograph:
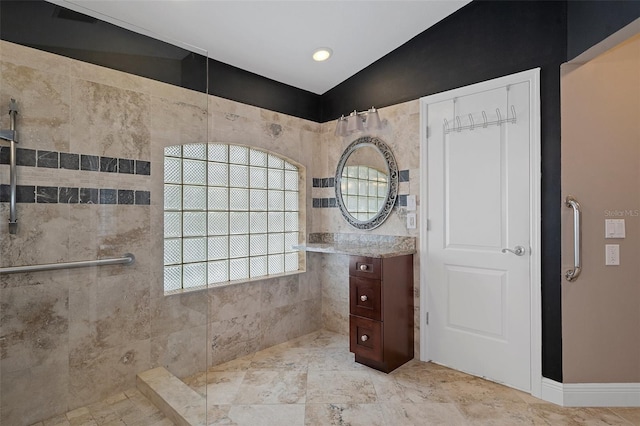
(314, 381)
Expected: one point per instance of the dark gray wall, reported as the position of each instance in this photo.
(590, 22)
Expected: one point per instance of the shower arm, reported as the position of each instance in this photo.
(12, 136)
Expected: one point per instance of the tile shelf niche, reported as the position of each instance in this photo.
(378, 246)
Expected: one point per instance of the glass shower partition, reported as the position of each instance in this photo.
(97, 342)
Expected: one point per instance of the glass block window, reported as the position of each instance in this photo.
(230, 213)
(364, 190)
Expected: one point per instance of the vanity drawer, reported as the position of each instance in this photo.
(365, 338)
(366, 267)
(364, 298)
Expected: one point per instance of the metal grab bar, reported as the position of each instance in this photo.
(12, 136)
(573, 274)
(126, 259)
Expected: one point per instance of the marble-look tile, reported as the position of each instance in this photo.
(219, 387)
(112, 121)
(234, 337)
(267, 415)
(279, 325)
(177, 121)
(174, 398)
(333, 359)
(33, 394)
(34, 324)
(109, 313)
(183, 352)
(95, 373)
(630, 414)
(344, 414)
(475, 389)
(279, 292)
(238, 364)
(427, 413)
(345, 387)
(319, 340)
(43, 105)
(43, 238)
(556, 415)
(281, 357)
(335, 315)
(272, 387)
(504, 414)
(308, 313)
(229, 301)
(177, 312)
(60, 420)
(218, 415)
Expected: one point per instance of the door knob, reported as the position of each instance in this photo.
(518, 251)
(364, 337)
(364, 298)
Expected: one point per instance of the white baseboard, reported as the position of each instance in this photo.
(591, 394)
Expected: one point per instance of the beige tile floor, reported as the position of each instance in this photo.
(313, 380)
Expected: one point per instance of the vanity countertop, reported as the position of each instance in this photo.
(360, 245)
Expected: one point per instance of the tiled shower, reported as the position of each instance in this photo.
(90, 154)
(90, 187)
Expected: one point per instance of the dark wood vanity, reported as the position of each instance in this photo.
(381, 310)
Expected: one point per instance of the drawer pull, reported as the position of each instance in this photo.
(364, 298)
(363, 267)
(364, 337)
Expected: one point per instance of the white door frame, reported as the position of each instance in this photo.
(533, 77)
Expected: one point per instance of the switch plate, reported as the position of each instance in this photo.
(612, 254)
(411, 203)
(411, 221)
(614, 228)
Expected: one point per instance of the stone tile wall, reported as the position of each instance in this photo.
(72, 337)
(401, 131)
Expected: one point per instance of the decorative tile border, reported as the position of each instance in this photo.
(324, 202)
(69, 195)
(321, 203)
(323, 182)
(70, 161)
(401, 201)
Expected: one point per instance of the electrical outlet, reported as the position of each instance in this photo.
(612, 254)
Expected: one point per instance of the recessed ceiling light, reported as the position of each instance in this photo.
(322, 54)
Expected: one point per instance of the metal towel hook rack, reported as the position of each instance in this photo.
(573, 274)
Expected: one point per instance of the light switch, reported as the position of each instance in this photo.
(411, 221)
(614, 228)
(411, 203)
(612, 254)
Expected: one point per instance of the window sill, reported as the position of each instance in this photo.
(231, 283)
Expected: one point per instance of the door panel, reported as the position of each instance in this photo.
(479, 203)
(486, 288)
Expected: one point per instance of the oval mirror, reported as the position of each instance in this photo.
(366, 182)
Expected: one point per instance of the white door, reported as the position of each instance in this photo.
(478, 171)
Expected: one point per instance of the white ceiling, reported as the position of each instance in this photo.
(275, 39)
